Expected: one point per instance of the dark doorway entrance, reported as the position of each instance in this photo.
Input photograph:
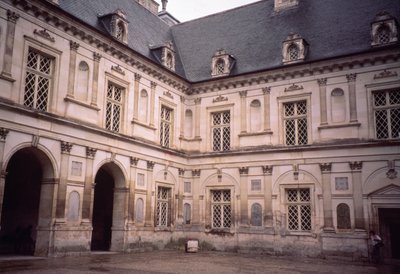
(389, 223)
(20, 212)
(102, 210)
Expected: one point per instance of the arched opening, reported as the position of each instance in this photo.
(143, 106)
(256, 215)
(109, 209)
(82, 84)
(26, 204)
(255, 116)
(188, 123)
(102, 210)
(338, 105)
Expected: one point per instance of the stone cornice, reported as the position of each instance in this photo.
(96, 39)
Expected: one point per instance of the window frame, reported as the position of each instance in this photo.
(168, 202)
(221, 228)
(298, 204)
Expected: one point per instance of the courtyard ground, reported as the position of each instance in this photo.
(181, 262)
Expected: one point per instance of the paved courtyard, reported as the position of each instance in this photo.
(180, 262)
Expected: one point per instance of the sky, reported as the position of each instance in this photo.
(185, 10)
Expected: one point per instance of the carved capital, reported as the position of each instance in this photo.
(90, 152)
(181, 171)
(96, 56)
(243, 170)
(325, 167)
(73, 45)
(134, 161)
(150, 165)
(243, 93)
(322, 81)
(12, 16)
(351, 77)
(137, 77)
(355, 166)
(196, 172)
(153, 85)
(266, 90)
(267, 170)
(197, 101)
(66, 147)
(3, 134)
(182, 99)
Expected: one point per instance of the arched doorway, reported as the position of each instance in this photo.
(109, 209)
(25, 214)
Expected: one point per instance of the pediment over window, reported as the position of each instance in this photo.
(389, 191)
(294, 49)
(165, 54)
(222, 63)
(116, 25)
(384, 30)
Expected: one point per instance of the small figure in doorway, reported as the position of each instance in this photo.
(377, 243)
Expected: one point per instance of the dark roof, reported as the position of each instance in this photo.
(253, 34)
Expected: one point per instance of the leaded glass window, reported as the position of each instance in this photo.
(221, 209)
(114, 107)
(39, 72)
(163, 214)
(293, 52)
(298, 209)
(221, 131)
(166, 126)
(383, 35)
(220, 66)
(387, 113)
(295, 123)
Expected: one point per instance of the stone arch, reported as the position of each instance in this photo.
(379, 179)
(32, 169)
(165, 176)
(304, 177)
(225, 179)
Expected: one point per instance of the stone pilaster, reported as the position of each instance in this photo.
(62, 186)
(322, 100)
(3, 136)
(132, 187)
(149, 218)
(351, 79)
(72, 68)
(243, 111)
(197, 101)
(88, 190)
(95, 87)
(267, 108)
(244, 215)
(181, 173)
(327, 195)
(268, 216)
(356, 169)
(12, 18)
(136, 97)
(196, 197)
(152, 102)
(182, 130)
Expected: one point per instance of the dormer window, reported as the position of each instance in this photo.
(294, 49)
(222, 63)
(168, 56)
(384, 30)
(116, 24)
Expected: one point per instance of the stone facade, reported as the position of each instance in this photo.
(119, 153)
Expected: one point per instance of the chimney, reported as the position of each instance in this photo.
(150, 5)
(285, 4)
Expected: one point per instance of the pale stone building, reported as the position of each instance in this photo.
(273, 127)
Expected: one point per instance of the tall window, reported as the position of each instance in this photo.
(220, 66)
(113, 107)
(295, 123)
(256, 215)
(39, 72)
(166, 126)
(298, 209)
(163, 216)
(387, 113)
(293, 52)
(221, 131)
(221, 209)
(343, 216)
(383, 35)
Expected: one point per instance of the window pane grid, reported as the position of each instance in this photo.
(165, 126)
(113, 107)
(383, 34)
(298, 209)
(295, 123)
(221, 208)
(163, 206)
(221, 132)
(387, 113)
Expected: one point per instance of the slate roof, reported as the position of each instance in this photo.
(253, 34)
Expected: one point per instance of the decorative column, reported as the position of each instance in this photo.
(149, 220)
(3, 135)
(197, 101)
(181, 173)
(268, 216)
(351, 79)
(243, 112)
(88, 190)
(152, 102)
(327, 195)
(72, 67)
(196, 197)
(12, 18)
(244, 215)
(182, 131)
(356, 168)
(131, 206)
(96, 58)
(62, 186)
(136, 97)
(267, 108)
(322, 100)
